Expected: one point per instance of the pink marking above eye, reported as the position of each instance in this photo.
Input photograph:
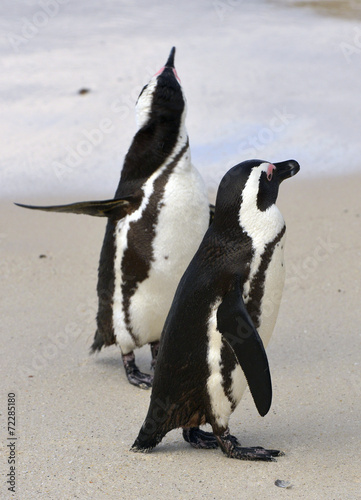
(174, 71)
(270, 170)
(160, 71)
(176, 75)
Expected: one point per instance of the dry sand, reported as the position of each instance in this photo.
(77, 416)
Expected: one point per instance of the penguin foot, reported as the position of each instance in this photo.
(134, 375)
(231, 447)
(199, 439)
(141, 380)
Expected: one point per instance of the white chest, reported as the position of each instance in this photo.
(263, 290)
(182, 220)
(272, 283)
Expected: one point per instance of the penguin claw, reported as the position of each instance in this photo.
(136, 449)
(274, 453)
(255, 453)
(200, 439)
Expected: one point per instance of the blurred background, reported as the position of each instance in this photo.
(263, 79)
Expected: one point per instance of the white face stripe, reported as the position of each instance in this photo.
(261, 226)
(144, 103)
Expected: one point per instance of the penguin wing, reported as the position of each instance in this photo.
(236, 326)
(103, 208)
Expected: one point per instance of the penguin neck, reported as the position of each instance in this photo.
(232, 250)
(153, 147)
(261, 225)
(182, 142)
(263, 228)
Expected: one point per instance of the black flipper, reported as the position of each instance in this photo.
(235, 324)
(103, 208)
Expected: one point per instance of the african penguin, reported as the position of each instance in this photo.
(222, 316)
(156, 221)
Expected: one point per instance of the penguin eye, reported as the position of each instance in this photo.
(270, 170)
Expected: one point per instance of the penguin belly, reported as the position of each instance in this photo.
(185, 201)
(273, 287)
(226, 382)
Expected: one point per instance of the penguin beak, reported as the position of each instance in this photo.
(170, 61)
(286, 169)
(169, 64)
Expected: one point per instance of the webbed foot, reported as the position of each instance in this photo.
(232, 448)
(199, 439)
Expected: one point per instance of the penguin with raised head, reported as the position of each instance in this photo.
(222, 317)
(156, 222)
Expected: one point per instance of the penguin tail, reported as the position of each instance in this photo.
(159, 421)
(147, 438)
(97, 344)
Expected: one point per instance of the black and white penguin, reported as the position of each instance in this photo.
(156, 222)
(222, 316)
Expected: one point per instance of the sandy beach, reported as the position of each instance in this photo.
(270, 79)
(77, 416)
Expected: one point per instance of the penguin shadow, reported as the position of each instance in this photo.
(112, 362)
(175, 446)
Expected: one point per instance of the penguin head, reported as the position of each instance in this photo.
(251, 188)
(162, 98)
